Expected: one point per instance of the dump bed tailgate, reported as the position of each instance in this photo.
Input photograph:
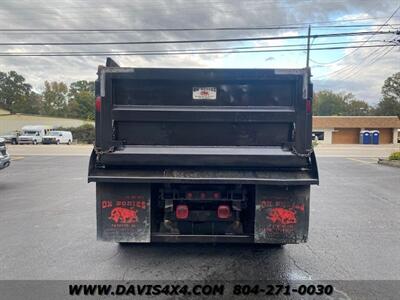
(204, 117)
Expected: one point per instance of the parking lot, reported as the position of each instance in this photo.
(48, 227)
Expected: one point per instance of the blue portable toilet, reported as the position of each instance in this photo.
(365, 137)
(375, 137)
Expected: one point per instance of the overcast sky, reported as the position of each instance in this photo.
(360, 72)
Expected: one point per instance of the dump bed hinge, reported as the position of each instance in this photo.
(99, 152)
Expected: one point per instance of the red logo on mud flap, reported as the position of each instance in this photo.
(282, 216)
(123, 215)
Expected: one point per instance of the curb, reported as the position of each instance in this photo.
(391, 163)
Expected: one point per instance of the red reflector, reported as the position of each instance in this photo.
(224, 212)
(203, 195)
(98, 104)
(216, 195)
(308, 105)
(189, 195)
(182, 211)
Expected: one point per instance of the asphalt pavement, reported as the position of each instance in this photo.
(47, 230)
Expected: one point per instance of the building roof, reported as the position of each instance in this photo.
(356, 122)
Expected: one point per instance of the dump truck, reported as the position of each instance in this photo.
(203, 155)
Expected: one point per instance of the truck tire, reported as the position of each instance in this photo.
(34, 142)
(14, 141)
(58, 142)
(69, 142)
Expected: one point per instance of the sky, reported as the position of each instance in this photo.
(358, 71)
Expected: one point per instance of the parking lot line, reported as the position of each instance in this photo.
(13, 158)
(362, 161)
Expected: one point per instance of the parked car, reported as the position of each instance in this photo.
(33, 134)
(4, 156)
(11, 137)
(58, 137)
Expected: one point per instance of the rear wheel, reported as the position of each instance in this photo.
(69, 142)
(34, 142)
(58, 142)
(14, 141)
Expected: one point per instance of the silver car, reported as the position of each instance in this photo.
(4, 156)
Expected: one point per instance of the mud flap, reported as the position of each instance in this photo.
(282, 214)
(123, 212)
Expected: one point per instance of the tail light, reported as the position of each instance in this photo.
(189, 195)
(224, 212)
(98, 103)
(308, 106)
(203, 195)
(182, 212)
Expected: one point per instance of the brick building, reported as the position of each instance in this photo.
(346, 129)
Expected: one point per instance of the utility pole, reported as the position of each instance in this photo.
(308, 46)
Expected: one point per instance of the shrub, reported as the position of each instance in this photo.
(82, 134)
(395, 156)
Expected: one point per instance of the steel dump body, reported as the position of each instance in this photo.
(203, 155)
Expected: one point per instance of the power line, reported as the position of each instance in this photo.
(112, 30)
(127, 53)
(356, 49)
(349, 42)
(377, 58)
(208, 49)
(194, 41)
(349, 69)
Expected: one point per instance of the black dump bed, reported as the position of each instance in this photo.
(171, 121)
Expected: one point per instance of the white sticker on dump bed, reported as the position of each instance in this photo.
(204, 93)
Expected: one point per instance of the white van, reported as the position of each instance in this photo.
(33, 134)
(58, 137)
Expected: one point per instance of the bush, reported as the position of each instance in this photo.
(394, 156)
(82, 134)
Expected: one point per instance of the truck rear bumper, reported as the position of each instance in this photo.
(181, 238)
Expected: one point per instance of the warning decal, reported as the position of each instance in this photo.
(204, 93)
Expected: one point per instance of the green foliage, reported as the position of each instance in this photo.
(82, 134)
(390, 103)
(394, 156)
(388, 107)
(391, 87)
(81, 100)
(328, 103)
(16, 95)
(357, 108)
(55, 99)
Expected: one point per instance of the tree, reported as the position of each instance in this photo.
(355, 107)
(327, 103)
(81, 100)
(30, 104)
(15, 94)
(390, 102)
(54, 101)
(388, 107)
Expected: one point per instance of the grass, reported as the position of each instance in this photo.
(395, 156)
